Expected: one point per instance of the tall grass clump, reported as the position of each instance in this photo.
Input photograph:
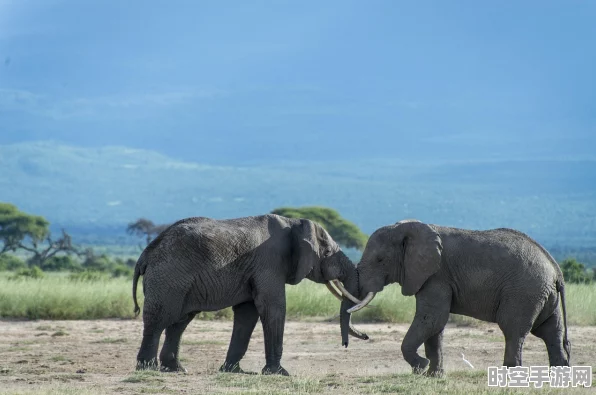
(59, 297)
(581, 304)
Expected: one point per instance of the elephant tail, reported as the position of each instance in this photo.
(139, 270)
(566, 342)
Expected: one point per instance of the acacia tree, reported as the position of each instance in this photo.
(344, 232)
(42, 251)
(16, 226)
(19, 230)
(144, 227)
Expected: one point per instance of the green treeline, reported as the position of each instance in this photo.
(28, 248)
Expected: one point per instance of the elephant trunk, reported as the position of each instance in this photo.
(350, 282)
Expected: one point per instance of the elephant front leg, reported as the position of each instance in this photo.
(245, 320)
(409, 348)
(272, 311)
(433, 348)
(432, 312)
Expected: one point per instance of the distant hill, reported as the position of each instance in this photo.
(95, 192)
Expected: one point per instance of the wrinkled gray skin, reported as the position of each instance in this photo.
(201, 264)
(498, 275)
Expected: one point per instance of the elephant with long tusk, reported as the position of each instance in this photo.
(497, 275)
(202, 264)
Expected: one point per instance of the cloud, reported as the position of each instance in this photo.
(82, 107)
(14, 98)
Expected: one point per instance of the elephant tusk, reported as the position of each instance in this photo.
(356, 333)
(344, 291)
(362, 304)
(334, 291)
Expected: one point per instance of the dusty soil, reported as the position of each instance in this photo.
(101, 354)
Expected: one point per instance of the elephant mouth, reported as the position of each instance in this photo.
(375, 287)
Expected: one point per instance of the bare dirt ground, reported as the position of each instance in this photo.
(99, 356)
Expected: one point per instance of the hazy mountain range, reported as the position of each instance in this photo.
(95, 192)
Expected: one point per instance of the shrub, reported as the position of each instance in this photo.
(11, 263)
(63, 263)
(224, 314)
(88, 275)
(575, 272)
(121, 270)
(33, 272)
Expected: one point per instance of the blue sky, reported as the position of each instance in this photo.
(246, 81)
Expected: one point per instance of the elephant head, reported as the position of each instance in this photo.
(408, 253)
(316, 256)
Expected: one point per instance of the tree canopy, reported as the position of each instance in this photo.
(19, 230)
(144, 227)
(344, 232)
(16, 226)
(576, 272)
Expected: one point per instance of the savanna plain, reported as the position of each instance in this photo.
(64, 336)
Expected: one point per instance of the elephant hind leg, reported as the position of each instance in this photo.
(516, 320)
(156, 318)
(514, 345)
(147, 355)
(551, 332)
(171, 346)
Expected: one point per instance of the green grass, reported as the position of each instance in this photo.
(458, 382)
(56, 297)
(581, 304)
(455, 383)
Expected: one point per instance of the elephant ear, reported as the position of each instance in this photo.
(305, 249)
(422, 248)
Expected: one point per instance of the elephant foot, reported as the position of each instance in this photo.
(147, 365)
(172, 367)
(437, 373)
(233, 368)
(267, 370)
(420, 366)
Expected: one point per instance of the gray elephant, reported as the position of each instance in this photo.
(498, 275)
(202, 264)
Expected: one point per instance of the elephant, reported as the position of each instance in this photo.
(204, 264)
(497, 275)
